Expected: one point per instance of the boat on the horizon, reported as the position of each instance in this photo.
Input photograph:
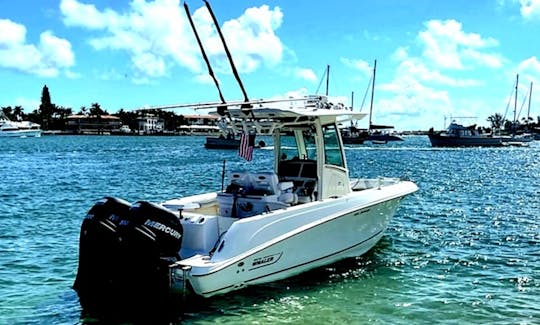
(376, 134)
(457, 135)
(515, 138)
(9, 128)
(228, 141)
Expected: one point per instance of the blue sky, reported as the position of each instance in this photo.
(435, 59)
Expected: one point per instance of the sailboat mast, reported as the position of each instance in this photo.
(327, 78)
(529, 109)
(372, 93)
(515, 101)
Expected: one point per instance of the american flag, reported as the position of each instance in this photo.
(247, 142)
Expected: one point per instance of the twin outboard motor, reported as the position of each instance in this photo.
(151, 241)
(125, 252)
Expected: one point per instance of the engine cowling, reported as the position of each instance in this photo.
(124, 254)
(151, 241)
(99, 248)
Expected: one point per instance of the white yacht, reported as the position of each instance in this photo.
(301, 212)
(10, 128)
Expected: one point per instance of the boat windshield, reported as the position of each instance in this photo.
(299, 144)
(332, 150)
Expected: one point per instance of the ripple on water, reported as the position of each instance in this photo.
(463, 249)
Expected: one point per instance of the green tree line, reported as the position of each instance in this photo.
(53, 117)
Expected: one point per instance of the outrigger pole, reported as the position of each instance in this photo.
(233, 67)
(210, 70)
(220, 106)
(208, 105)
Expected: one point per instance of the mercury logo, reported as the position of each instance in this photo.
(161, 227)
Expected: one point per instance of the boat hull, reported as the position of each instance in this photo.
(353, 140)
(221, 143)
(383, 138)
(438, 140)
(319, 235)
(21, 133)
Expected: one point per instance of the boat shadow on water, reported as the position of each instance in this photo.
(176, 310)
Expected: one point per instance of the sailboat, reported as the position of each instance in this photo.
(376, 133)
(517, 139)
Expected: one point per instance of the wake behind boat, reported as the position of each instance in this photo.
(300, 213)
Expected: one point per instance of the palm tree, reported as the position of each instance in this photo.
(18, 113)
(97, 111)
(83, 110)
(496, 120)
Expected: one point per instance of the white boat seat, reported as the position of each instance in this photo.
(254, 193)
(263, 184)
(239, 181)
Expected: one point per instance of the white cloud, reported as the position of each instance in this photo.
(448, 46)
(529, 71)
(423, 86)
(253, 39)
(48, 58)
(29, 104)
(530, 9)
(79, 14)
(359, 65)
(156, 35)
(204, 79)
(12, 34)
(416, 68)
(306, 74)
(56, 51)
(531, 64)
(153, 65)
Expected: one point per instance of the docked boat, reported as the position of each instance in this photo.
(301, 212)
(10, 128)
(457, 135)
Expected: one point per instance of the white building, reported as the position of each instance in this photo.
(150, 124)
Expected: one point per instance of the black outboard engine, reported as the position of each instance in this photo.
(98, 250)
(151, 241)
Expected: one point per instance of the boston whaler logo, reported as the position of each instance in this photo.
(161, 227)
(265, 260)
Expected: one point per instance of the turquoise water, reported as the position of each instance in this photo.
(464, 249)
